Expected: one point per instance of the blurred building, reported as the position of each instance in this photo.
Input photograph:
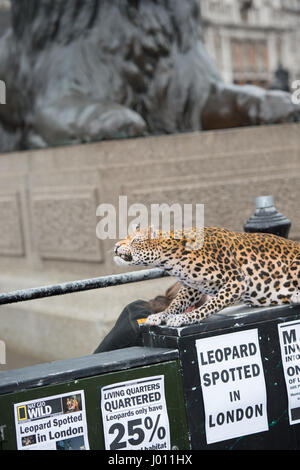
(250, 39)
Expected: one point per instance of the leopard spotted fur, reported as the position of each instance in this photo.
(257, 269)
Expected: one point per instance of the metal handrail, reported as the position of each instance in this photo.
(80, 285)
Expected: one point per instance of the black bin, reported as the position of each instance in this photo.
(248, 396)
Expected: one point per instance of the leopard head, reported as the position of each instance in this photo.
(142, 247)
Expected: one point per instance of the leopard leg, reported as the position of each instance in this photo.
(186, 297)
(227, 295)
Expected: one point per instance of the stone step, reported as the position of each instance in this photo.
(154, 148)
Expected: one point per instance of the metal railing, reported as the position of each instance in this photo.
(80, 285)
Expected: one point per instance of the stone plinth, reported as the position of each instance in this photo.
(48, 202)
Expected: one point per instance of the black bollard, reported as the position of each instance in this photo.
(267, 219)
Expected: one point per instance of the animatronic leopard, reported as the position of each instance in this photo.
(255, 268)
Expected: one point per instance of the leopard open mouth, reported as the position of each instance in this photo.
(126, 257)
(122, 259)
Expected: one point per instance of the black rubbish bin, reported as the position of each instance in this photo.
(241, 377)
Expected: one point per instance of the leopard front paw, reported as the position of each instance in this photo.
(295, 299)
(154, 319)
(177, 320)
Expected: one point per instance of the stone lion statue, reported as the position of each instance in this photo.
(87, 70)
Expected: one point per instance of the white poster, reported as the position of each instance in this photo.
(289, 336)
(233, 385)
(57, 422)
(134, 415)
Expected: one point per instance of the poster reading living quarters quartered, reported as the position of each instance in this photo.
(233, 385)
(134, 415)
(289, 335)
(54, 423)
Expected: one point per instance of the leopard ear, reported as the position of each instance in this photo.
(136, 227)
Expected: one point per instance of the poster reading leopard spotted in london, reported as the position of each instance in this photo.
(233, 385)
(56, 422)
